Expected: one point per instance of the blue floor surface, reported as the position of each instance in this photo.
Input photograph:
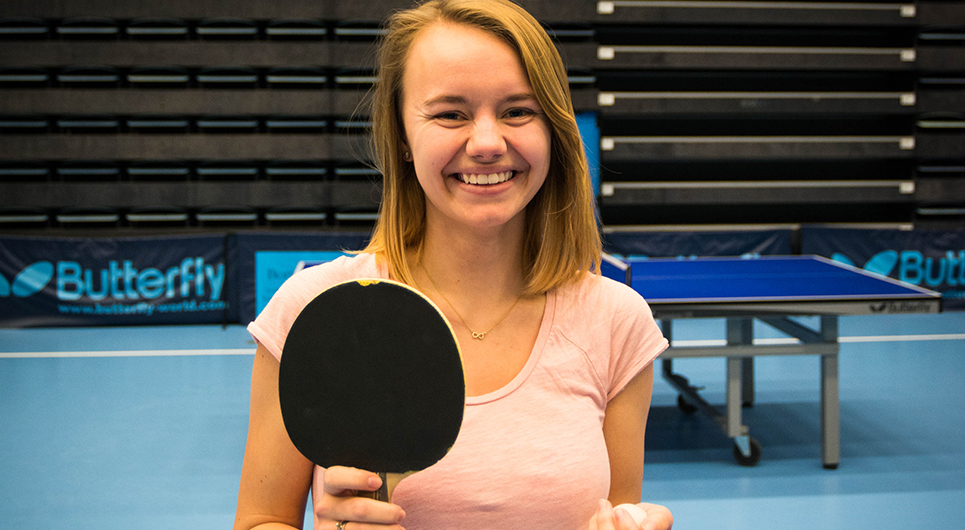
(127, 440)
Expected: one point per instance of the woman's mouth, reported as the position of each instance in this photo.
(481, 179)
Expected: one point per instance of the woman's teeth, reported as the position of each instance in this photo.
(492, 178)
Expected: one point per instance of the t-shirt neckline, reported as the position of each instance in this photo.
(546, 324)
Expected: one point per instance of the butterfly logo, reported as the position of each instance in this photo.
(30, 280)
(881, 263)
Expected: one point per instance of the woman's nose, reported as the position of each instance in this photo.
(486, 141)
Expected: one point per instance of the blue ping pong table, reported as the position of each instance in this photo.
(771, 290)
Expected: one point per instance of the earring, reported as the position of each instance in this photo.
(407, 156)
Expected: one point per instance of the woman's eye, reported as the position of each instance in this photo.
(519, 113)
(450, 116)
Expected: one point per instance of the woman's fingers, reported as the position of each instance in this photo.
(603, 519)
(629, 517)
(632, 514)
(347, 480)
(358, 510)
(339, 503)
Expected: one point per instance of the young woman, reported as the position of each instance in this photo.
(487, 209)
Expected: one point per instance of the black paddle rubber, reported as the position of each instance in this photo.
(371, 377)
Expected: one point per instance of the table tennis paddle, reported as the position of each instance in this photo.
(371, 377)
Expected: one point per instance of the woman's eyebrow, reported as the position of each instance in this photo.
(526, 96)
(460, 100)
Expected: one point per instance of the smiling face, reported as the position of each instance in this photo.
(479, 141)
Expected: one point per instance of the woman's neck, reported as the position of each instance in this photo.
(466, 264)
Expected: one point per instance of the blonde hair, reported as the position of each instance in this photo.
(562, 238)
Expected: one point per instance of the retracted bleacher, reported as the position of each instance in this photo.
(190, 114)
(780, 112)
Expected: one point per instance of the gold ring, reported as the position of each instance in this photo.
(340, 525)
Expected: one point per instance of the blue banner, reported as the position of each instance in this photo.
(113, 281)
(683, 245)
(265, 261)
(273, 267)
(933, 259)
(590, 134)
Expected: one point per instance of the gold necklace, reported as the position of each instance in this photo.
(475, 334)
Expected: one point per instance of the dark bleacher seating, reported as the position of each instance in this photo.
(158, 217)
(296, 217)
(22, 28)
(709, 112)
(159, 170)
(24, 171)
(88, 170)
(296, 29)
(158, 77)
(88, 217)
(227, 28)
(14, 218)
(296, 170)
(227, 216)
(87, 28)
(156, 28)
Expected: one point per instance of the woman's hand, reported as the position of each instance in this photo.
(607, 518)
(338, 502)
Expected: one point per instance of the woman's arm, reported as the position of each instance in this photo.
(275, 477)
(624, 429)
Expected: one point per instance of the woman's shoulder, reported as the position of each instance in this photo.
(613, 326)
(314, 279)
(594, 291)
(272, 324)
(341, 269)
(596, 304)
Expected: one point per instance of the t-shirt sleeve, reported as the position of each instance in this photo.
(636, 340)
(270, 328)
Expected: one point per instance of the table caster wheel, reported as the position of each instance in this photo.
(685, 405)
(750, 459)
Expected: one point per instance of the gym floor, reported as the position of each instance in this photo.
(145, 428)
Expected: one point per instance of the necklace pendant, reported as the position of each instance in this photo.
(478, 335)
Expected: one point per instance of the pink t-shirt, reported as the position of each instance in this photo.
(531, 454)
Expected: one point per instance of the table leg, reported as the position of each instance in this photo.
(830, 405)
(735, 427)
(747, 386)
(666, 327)
(740, 331)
